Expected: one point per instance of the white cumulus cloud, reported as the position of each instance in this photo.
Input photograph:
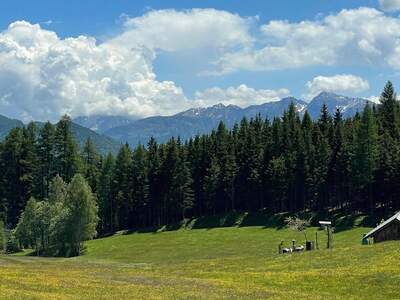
(389, 5)
(363, 36)
(241, 95)
(344, 83)
(172, 30)
(43, 77)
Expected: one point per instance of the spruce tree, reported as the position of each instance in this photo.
(121, 188)
(67, 158)
(366, 154)
(225, 154)
(46, 158)
(91, 161)
(211, 184)
(153, 174)
(12, 191)
(105, 197)
(140, 188)
(29, 161)
(389, 110)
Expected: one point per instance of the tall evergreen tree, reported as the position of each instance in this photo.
(140, 188)
(105, 197)
(153, 174)
(29, 161)
(366, 154)
(67, 158)
(46, 152)
(12, 191)
(389, 111)
(226, 157)
(91, 161)
(121, 188)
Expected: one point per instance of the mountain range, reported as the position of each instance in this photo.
(202, 120)
(108, 132)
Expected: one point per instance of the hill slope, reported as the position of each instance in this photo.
(6, 124)
(104, 144)
(102, 123)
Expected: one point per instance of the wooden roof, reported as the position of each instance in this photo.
(394, 218)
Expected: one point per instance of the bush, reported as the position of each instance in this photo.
(12, 244)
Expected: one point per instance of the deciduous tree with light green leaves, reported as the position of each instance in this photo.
(58, 226)
(82, 218)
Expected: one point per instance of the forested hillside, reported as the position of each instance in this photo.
(290, 163)
(104, 144)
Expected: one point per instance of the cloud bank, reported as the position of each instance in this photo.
(363, 36)
(43, 76)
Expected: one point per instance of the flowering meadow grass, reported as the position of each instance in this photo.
(223, 263)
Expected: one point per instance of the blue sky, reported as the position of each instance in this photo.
(143, 58)
(97, 17)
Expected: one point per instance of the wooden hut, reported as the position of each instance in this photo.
(386, 231)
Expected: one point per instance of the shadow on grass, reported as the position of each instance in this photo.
(232, 219)
(341, 221)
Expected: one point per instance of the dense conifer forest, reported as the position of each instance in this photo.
(292, 164)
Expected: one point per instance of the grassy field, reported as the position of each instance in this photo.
(228, 263)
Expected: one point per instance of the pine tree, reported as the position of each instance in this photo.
(153, 170)
(184, 188)
(12, 191)
(91, 162)
(67, 158)
(309, 161)
(291, 136)
(140, 188)
(320, 169)
(366, 154)
(105, 197)
(241, 136)
(325, 122)
(198, 159)
(277, 187)
(226, 157)
(389, 110)
(46, 158)
(337, 175)
(211, 184)
(121, 188)
(29, 162)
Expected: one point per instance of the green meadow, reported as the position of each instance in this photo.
(238, 262)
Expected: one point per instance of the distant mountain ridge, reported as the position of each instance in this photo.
(104, 144)
(202, 120)
(348, 106)
(102, 123)
(108, 132)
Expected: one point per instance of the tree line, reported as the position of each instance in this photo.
(290, 163)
